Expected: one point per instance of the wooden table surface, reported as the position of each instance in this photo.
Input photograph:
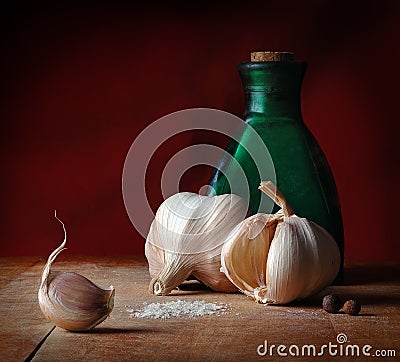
(235, 336)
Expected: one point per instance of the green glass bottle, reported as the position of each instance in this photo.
(272, 83)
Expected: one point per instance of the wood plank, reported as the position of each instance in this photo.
(234, 336)
(231, 337)
(377, 287)
(22, 323)
(12, 267)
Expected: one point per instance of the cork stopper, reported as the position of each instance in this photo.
(272, 57)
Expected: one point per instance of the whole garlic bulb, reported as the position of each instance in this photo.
(186, 237)
(279, 258)
(70, 300)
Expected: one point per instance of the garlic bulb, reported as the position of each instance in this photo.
(70, 300)
(279, 258)
(186, 237)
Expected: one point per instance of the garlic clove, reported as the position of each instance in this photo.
(245, 251)
(70, 300)
(208, 272)
(186, 238)
(290, 258)
(75, 303)
(308, 255)
(309, 261)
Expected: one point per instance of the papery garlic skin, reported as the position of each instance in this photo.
(208, 272)
(245, 251)
(75, 303)
(302, 260)
(279, 258)
(70, 300)
(186, 238)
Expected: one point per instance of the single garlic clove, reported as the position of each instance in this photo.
(70, 300)
(245, 252)
(74, 303)
(186, 238)
(303, 259)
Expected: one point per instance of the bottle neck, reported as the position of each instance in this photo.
(272, 89)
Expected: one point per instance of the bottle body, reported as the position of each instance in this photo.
(303, 175)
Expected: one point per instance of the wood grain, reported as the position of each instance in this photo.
(234, 336)
(21, 321)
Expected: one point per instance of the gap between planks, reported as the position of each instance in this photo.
(36, 349)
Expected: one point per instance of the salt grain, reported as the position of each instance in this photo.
(178, 308)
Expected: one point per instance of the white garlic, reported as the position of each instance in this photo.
(279, 258)
(186, 237)
(70, 300)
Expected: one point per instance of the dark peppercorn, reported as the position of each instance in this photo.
(331, 303)
(352, 307)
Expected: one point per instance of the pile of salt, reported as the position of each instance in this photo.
(178, 308)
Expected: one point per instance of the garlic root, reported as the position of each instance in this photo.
(178, 268)
(172, 274)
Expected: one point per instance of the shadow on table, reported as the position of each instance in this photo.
(192, 287)
(366, 296)
(109, 330)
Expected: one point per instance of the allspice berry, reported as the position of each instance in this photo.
(331, 303)
(352, 307)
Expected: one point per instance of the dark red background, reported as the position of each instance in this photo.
(80, 83)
